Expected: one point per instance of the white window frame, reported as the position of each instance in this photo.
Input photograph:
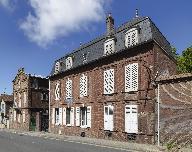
(129, 41)
(56, 116)
(69, 62)
(109, 81)
(57, 67)
(131, 119)
(24, 116)
(83, 85)
(109, 46)
(71, 116)
(108, 118)
(131, 77)
(57, 91)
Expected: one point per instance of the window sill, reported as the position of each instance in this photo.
(68, 125)
(110, 94)
(83, 126)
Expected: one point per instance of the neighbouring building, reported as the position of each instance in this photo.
(6, 103)
(175, 99)
(105, 88)
(31, 102)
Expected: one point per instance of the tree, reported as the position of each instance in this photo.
(184, 61)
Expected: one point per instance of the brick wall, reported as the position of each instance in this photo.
(176, 110)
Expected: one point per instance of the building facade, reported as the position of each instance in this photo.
(30, 108)
(6, 103)
(104, 89)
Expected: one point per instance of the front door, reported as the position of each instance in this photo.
(108, 117)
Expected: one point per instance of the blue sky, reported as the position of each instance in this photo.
(33, 33)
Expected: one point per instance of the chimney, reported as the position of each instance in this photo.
(110, 25)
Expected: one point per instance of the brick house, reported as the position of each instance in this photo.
(104, 89)
(175, 99)
(6, 102)
(30, 108)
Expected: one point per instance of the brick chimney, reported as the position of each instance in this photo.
(110, 25)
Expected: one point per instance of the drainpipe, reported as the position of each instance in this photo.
(158, 116)
(49, 107)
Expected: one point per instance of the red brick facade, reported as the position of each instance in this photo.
(148, 56)
(30, 101)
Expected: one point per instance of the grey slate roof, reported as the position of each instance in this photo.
(95, 48)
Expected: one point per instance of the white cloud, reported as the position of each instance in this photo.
(52, 19)
(5, 3)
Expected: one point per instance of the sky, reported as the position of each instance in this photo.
(34, 33)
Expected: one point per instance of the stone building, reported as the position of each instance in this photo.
(104, 89)
(175, 99)
(30, 108)
(6, 103)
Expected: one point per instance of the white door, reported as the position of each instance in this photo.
(131, 119)
(108, 117)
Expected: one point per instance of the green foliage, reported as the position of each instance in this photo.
(184, 61)
(170, 145)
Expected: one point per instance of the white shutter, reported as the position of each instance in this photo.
(68, 89)
(53, 116)
(72, 116)
(77, 116)
(109, 81)
(14, 115)
(60, 116)
(69, 62)
(109, 46)
(131, 77)
(23, 115)
(89, 116)
(25, 99)
(64, 116)
(83, 85)
(135, 76)
(131, 119)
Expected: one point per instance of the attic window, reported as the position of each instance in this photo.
(131, 37)
(69, 62)
(84, 57)
(57, 67)
(109, 46)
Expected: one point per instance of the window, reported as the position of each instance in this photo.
(69, 62)
(131, 77)
(131, 119)
(14, 115)
(108, 117)
(44, 96)
(56, 116)
(19, 100)
(84, 57)
(109, 46)
(109, 81)
(68, 89)
(83, 116)
(83, 85)
(24, 99)
(69, 116)
(35, 84)
(57, 91)
(57, 67)
(131, 37)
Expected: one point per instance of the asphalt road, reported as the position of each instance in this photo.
(10, 142)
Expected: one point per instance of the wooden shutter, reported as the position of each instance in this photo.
(77, 116)
(109, 81)
(57, 91)
(131, 77)
(69, 89)
(72, 116)
(83, 85)
(131, 37)
(64, 116)
(134, 76)
(60, 116)
(53, 116)
(23, 115)
(89, 116)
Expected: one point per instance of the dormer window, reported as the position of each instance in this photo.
(131, 37)
(69, 62)
(109, 46)
(84, 57)
(57, 67)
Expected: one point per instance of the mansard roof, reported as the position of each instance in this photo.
(94, 50)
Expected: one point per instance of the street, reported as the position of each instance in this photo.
(11, 142)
